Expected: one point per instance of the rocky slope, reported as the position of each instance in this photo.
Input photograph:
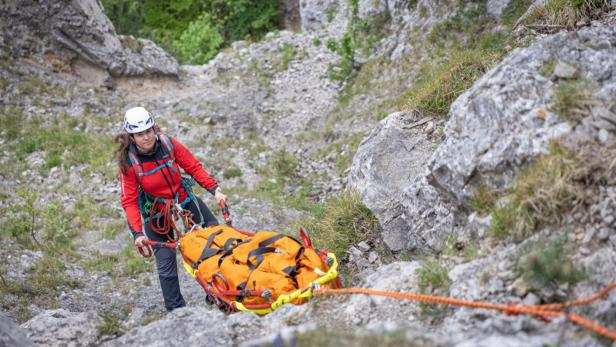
(258, 104)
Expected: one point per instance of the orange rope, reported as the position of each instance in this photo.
(542, 311)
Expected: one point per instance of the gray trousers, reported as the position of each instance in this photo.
(166, 263)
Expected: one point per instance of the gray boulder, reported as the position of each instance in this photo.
(63, 328)
(497, 126)
(11, 334)
(389, 159)
(78, 30)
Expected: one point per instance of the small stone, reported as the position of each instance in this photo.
(604, 234)
(564, 70)
(355, 253)
(590, 232)
(519, 287)
(604, 136)
(613, 241)
(364, 246)
(531, 300)
(372, 257)
(584, 251)
(608, 219)
(430, 128)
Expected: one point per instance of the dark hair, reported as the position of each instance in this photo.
(125, 141)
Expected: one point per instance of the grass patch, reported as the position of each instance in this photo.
(232, 172)
(330, 12)
(339, 222)
(127, 263)
(541, 195)
(567, 13)
(433, 279)
(547, 69)
(548, 263)
(46, 280)
(439, 84)
(514, 10)
(573, 100)
(111, 325)
(57, 138)
(288, 53)
(464, 249)
(483, 200)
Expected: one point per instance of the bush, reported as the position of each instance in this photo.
(193, 30)
(284, 164)
(199, 43)
(548, 264)
(341, 221)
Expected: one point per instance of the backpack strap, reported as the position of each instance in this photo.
(135, 163)
(166, 141)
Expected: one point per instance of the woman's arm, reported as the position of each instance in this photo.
(191, 165)
(129, 191)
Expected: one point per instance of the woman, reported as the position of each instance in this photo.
(150, 181)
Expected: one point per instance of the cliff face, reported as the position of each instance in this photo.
(73, 33)
(531, 136)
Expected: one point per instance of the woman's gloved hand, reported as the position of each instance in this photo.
(139, 241)
(219, 196)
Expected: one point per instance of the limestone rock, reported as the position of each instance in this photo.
(11, 334)
(79, 29)
(63, 328)
(389, 159)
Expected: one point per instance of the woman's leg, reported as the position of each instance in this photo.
(167, 271)
(200, 213)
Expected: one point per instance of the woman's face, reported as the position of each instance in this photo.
(145, 140)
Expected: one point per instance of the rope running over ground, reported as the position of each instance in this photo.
(545, 312)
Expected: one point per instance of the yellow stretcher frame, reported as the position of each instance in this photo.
(330, 275)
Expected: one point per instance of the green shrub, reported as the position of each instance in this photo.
(330, 12)
(232, 172)
(548, 264)
(199, 43)
(193, 30)
(284, 164)
(111, 325)
(339, 222)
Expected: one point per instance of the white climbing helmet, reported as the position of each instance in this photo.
(138, 119)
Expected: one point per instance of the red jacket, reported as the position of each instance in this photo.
(164, 182)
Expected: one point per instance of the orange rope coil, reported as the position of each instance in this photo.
(542, 311)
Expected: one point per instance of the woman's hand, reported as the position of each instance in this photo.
(139, 241)
(219, 196)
